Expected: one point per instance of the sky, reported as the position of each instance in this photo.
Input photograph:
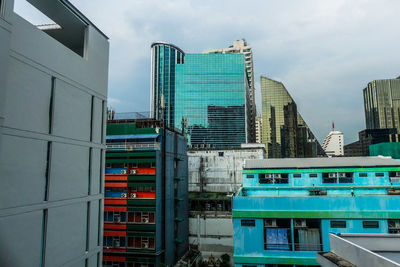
(324, 52)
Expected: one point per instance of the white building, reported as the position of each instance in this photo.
(53, 93)
(241, 47)
(214, 175)
(333, 143)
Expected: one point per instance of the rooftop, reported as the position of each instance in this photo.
(305, 163)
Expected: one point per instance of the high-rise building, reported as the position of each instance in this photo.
(212, 93)
(286, 209)
(259, 131)
(333, 143)
(285, 133)
(382, 105)
(164, 58)
(241, 47)
(146, 194)
(53, 92)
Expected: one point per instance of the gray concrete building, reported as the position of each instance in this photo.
(214, 175)
(53, 92)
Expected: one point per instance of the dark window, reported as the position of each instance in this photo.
(394, 226)
(363, 174)
(307, 234)
(370, 224)
(265, 178)
(297, 175)
(313, 175)
(281, 178)
(379, 174)
(329, 177)
(221, 154)
(346, 177)
(250, 176)
(248, 223)
(338, 224)
(394, 174)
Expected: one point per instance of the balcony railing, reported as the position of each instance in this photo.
(132, 146)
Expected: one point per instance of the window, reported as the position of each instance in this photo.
(394, 177)
(250, 176)
(379, 174)
(346, 177)
(394, 226)
(338, 224)
(277, 234)
(297, 175)
(307, 234)
(221, 154)
(248, 223)
(363, 174)
(313, 175)
(281, 178)
(329, 177)
(265, 178)
(370, 224)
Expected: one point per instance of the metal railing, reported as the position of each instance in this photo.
(132, 146)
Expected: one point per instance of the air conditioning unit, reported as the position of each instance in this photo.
(133, 195)
(278, 175)
(123, 195)
(145, 220)
(270, 223)
(123, 171)
(116, 243)
(300, 223)
(145, 244)
(332, 175)
(133, 172)
(342, 175)
(268, 175)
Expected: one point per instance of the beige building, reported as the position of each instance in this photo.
(259, 130)
(241, 47)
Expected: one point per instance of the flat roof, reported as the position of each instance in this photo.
(306, 163)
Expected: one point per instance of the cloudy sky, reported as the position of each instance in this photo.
(325, 52)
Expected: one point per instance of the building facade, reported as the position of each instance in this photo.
(369, 137)
(287, 207)
(333, 143)
(259, 130)
(53, 92)
(285, 133)
(212, 94)
(164, 58)
(242, 47)
(214, 176)
(146, 197)
(382, 105)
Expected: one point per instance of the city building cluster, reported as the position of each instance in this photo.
(200, 180)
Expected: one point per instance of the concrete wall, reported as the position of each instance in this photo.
(211, 171)
(52, 110)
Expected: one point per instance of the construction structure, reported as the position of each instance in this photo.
(242, 47)
(214, 176)
(146, 197)
(286, 208)
(333, 143)
(259, 130)
(285, 133)
(53, 93)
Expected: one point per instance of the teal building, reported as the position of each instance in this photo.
(212, 94)
(164, 58)
(283, 214)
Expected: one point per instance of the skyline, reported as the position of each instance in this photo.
(319, 51)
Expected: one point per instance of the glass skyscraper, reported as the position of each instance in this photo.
(382, 104)
(164, 57)
(285, 133)
(212, 93)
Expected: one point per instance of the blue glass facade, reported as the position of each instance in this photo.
(284, 214)
(212, 93)
(164, 58)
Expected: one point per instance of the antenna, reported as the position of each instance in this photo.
(333, 126)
